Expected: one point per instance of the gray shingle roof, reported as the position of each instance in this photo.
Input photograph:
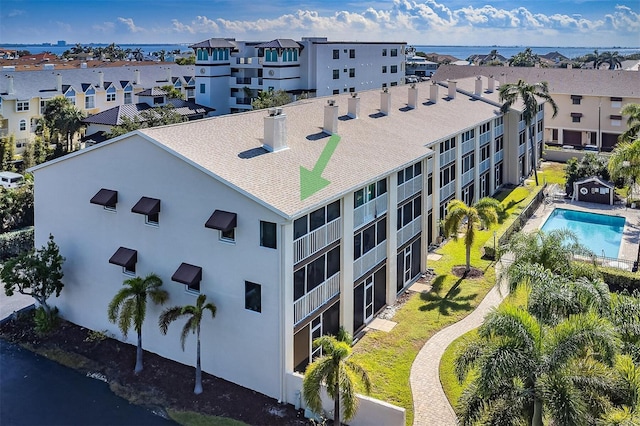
(280, 43)
(114, 116)
(213, 43)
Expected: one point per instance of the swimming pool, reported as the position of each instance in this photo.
(598, 232)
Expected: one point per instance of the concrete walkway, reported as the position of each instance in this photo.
(431, 407)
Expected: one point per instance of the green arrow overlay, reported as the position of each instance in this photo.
(311, 181)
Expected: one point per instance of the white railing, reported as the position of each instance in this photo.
(522, 148)
(447, 157)
(370, 259)
(540, 115)
(409, 231)
(498, 131)
(521, 125)
(430, 163)
(429, 202)
(539, 137)
(484, 165)
(499, 155)
(316, 298)
(409, 188)
(468, 146)
(448, 190)
(485, 138)
(316, 240)
(369, 211)
(467, 176)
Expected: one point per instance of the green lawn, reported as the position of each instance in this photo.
(388, 357)
(552, 173)
(190, 418)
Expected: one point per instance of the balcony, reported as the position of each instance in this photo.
(316, 240)
(498, 130)
(522, 148)
(369, 211)
(409, 188)
(370, 259)
(468, 146)
(539, 137)
(484, 165)
(409, 230)
(447, 157)
(467, 176)
(521, 125)
(448, 190)
(429, 202)
(485, 138)
(317, 297)
(499, 156)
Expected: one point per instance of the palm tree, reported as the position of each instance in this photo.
(524, 371)
(528, 94)
(612, 58)
(632, 111)
(593, 57)
(129, 305)
(338, 373)
(64, 120)
(194, 314)
(138, 54)
(484, 212)
(624, 162)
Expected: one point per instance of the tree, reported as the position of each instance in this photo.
(152, 117)
(37, 273)
(593, 57)
(190, 60)
(614, 59)
(65, 120)
(338, 373)
(525, 58)
(524, 371)
(590, 165)
(7, 152)
(172, 92)
(483, 213)
(528, 94)
(138, 54)
(632, 111)
(129, 306)
(194, 321)
(270, 99)
(624, 163)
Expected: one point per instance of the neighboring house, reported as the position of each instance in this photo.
(421, 67)
(230, 73)
(102, 122)
(218, 206)
(23, 95)
(487, 59)
(589, 101)
(555, 59)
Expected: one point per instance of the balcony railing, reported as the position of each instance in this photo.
(540, 115)
(467, 176)
(369, 211)
(522, 148)
(499, 155)
(370, 259)
(485, 138)
(539, 137)
(468, 146)
(521, 125)
(429, 202)
(316, 240)
(498, 130)
(484, 165)
(448, 190)
(317, 297)
(447, 157)
(409, 230)
(243, 80)
(409, 188)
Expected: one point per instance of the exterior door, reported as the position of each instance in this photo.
(407, 265)
(368, 299)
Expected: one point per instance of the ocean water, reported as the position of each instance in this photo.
(460, 52)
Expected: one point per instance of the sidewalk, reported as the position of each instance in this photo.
(9, 305)
(431, 407)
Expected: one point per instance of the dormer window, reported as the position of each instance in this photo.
(71, 95)
(90, 98)
(111, 94)
(128, 94)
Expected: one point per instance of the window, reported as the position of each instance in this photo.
(189, 275)
(352, 72)
(268, 234)
(228, 235)
(203, 54)
(316, 219)
(71, 95)
(315, 273)
(616, 120)
(252, 296)
(394, 52)
(468, 135)
(522, 138)
(336, 74)
(368, 238)
(447, 145)
(203, 88)
(225, 222)
(468, 162)
(500, 143)
(485, 152)
(128, 95)
(369, 192)
(409, 173)
(43, 105)
(22, 106)
(485, 128)
(90, 98)
(336, 91)
(394, 69)
(126, 258)
(111, 94)
(352, 53)
(352, 89)
(384, 52)
(498, 121)
(575, 117)
(150, 208)
(616, 102)
(336, 54)
(107, 198)
(384, 69)
(430, 184)
(23, 125)
(408, 212)
(575, 99)
(448, 174)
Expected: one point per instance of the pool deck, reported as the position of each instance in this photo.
(631, 234)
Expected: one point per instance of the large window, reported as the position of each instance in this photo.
(23, 125)
(90, 98)
(352, 72)
(468, 161)
(369, 192)
(111, 94)
(128, 95)
(71, 95)
(447, 145)
(22, 106)
(409, 211)
(485, 152)
(316, 219)
(352, 53)
(468, 135)
(394, 52)
(448, 174)
(336, 74)
(485, 128)
(336, 54)
(409, 173)
(252, 296)
(394, 69)
(368, 238)
(268, 234)
(315, 273)
(499, 143)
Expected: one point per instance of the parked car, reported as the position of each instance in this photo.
(11, 180)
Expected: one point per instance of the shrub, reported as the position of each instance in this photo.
(45, 322)
(15, 243)
(619, 280)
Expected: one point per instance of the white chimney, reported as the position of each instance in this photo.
(433, 92)
(137, 77)
(569, 66)
(413, 96)
(492, 83)
(59, 82)
(330, 117)
(385, 101)
(100, 79)
(452, 89)
(275, 130)
(478, 86)
(11, 88)
(169, 74)
(354, 106)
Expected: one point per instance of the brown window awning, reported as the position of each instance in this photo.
(576, 114)
(614, 99)
(147, 206)
(615, 117)
(124, 257)
(105, 197)
(187, 274)
(576, 96)
(224, 221)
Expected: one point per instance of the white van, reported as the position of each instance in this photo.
(11, 180)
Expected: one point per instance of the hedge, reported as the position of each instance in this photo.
(619, 280)
(14, 243)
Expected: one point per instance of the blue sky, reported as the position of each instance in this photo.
(597, 23)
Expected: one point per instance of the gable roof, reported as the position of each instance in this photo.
(114, 116)
(213, 43)
(280, 43)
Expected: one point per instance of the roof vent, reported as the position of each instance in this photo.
(413, 96)
(330, 117)
(385, 101)
(353, 106)
(275, 130)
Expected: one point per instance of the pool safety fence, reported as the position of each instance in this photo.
(526, 213)
(609, 262)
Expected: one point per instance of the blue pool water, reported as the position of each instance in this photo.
(598, 232)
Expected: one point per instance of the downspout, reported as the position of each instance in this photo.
(599, 136)
(283, 387)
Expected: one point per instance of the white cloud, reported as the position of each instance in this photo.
(15, 12)
(128, 22)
